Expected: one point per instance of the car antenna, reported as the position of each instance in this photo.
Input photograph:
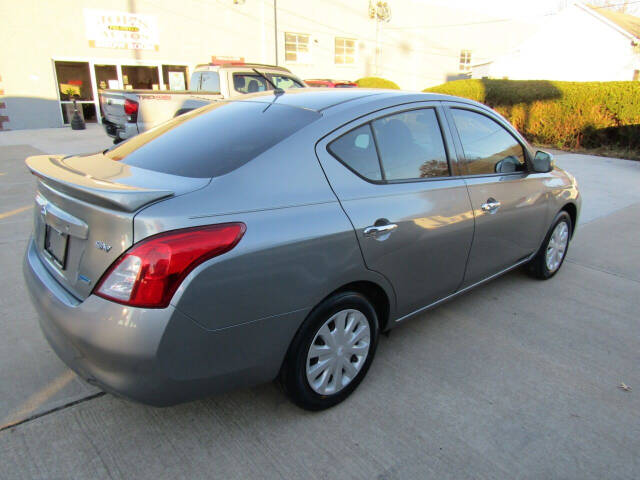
(276, 90)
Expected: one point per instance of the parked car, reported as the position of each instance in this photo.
(278, 235)
(127, 113)
(325, 82)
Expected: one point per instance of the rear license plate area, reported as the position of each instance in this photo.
(55, 244)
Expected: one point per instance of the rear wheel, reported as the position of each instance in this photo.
(553, 251)
(332, 351)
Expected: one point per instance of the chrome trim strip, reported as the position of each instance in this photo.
(465, 289)
(62, 221)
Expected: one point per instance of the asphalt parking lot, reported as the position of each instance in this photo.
(517, 379)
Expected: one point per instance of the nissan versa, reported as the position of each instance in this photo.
(277, 235)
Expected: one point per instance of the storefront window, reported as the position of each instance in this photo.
(136, 77)
(74, 80)
(174, 77)
(106, 77)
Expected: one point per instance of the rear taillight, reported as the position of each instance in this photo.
(148, 274)
(131, 110)
(130, 107)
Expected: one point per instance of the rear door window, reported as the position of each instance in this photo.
(212, 140)
(411, 145)
(249, 83)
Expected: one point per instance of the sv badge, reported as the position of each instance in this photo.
(103, 246)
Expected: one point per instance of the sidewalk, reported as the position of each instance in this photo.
(59, 140)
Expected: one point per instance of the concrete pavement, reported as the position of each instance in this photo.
(606, 184)
(517, 379)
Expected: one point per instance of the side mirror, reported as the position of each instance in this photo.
(509, 164)
(542, 162)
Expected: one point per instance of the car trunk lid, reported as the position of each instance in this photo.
(85, 206)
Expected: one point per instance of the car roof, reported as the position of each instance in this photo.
(320, 99)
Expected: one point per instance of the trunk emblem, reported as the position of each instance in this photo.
(103, 246)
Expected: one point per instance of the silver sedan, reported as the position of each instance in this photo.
(276, 236)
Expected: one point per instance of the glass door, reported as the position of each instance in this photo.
(74, 82)
(106, 78)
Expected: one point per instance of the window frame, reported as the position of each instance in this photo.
(464, 61)
(297, 60)
(344, 54)
(375, 147)
(463, 160)
(442, 124)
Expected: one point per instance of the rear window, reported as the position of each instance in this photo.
(205, 82)
(212, 140)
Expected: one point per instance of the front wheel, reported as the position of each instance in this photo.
(332, 351)
(553, 251)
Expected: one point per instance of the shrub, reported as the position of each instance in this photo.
(563, 114)
(376, 82)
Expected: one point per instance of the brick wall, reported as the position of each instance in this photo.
(3, 109)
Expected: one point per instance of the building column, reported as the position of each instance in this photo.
(3, 106)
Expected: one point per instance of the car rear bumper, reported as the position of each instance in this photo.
(154, 356)
(120, 132)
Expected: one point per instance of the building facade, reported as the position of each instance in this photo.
(55, 51)
(580, 43)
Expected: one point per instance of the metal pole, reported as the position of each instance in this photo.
(377, 44)
(275, 27)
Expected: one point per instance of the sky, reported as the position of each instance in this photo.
(502, 8)
(520, 8)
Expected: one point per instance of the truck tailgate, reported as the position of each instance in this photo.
(112, 102)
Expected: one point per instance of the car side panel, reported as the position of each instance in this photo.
(289, 259)
(299, 245)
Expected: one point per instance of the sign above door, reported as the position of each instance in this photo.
(121, 30)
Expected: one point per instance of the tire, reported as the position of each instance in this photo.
(538, 267)
(298, 367)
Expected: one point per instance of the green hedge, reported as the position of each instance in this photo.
(563, 114)
(376, 82)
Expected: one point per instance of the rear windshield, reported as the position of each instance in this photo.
(212, 140)
(205, 82)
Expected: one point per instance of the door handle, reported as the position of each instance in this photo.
(491, 205)
(376, 230)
